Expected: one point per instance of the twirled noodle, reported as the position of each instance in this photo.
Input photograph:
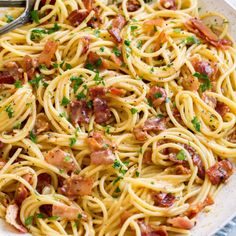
(116, 118)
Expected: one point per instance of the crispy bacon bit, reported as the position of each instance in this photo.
(11, 218)
(77, 186)
(13, 68)
(41, 123)
(86, 41)
(140, 134)
(116, 91)
(98, 142)
(148, 24)
(168, 4)
(222, 108)
(68, 212)
(147, 156)
(199, 28)
(101, 110)
(79, 112)
(163, 199)
(210, 101)
(182, 170)
(124, 216)
(162, 38)
(133, 5)
(190, 83)
(149, 230)
(6, 78)
(29, 66)
(60, 159)
(182, 222)
(44, 180)
(88, 4)
(95, 60)
(97, 92)
(155, 124)
(48, 52)
(76, 17)
(194, 210)
(220, 172)
(156, 95)
(102, 157)
(117, 25)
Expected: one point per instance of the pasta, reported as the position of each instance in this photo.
(116, 118)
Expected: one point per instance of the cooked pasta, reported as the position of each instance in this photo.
(116, 118)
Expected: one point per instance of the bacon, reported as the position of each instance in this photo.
(46, 209)
(6, 78)
(163, 199)
(222, 108)
(102, 157)
(11, 218)
(210, 101)
(2, 163)
(95, 20)
(95, 60)
(101, 110)
(190, 83)
(116, 91)
(44, 180)
(68, 212)
(117, 25)
(156, 95)
(48, 52)
(88, 4)
(168, 4)
(79, 112)
(182, 222)
(76, 17)
(182, 170)
(118, 60)
(86, 41)
(41, 123)
(148, 230)
(14, 70)
(147, 156)
(194, 210)
(133, 5)
(76, 186)
(148, 24)
(220, 172)
(97, 92)
(29, 65)
(155, 124)
(197, 27)
(60, 159)
(140, 134)
(162, 38)
(97, 142)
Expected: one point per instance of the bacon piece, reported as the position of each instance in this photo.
(210, 101)
(118, 61)
(48, 52)
(95, 60)
(88, 4)
(41, 123)
(97, 92)
(6, 78)
(117, 25)
(77, 186)
(155, 124)
(163, 199)
(182, 170)
(79, 112)
(168, 4)
(29, 65)
(60, 159)
(133, 5)
(162, 38)
(116, 91)
(86, 41)
(95, 20)
(101, 110)
(222, 108)
(182, 222)
(140, 134)
(46, 209)
(190, 83)
(102, 157)
(98, 142)
(149, 230)
(148, 24)
(68, 212)
(156, 95)
(220, 172)
(194, 210)
(197, 27)
(147, 156)
(11, 218)
(44, 180)
(76, 17)
(14, 69)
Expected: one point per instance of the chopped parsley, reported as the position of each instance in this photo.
(77, 82)
(117, 190)
(181, 155)
(97, 33)
(68, 66)
(102, 49)
(98, 79)
(35, 82)
(9, 111)
(177, 30)
(133, 27)
(33, 137)
(116, 51)
(18, 84)
(134, 110)
(192, 40)
(196, 124)
(127, 43)
(65, 101)
(72, 142)
(9, 18)
(158, 95)
(29, 220)
(35, 16)
(206, 84)
(117, 180)
(40, 216)
(116, 164)
(79, 216)
(137, 173)
(81, 95)
(67, 159)
(53, 217)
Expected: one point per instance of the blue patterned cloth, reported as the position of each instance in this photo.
(227, 228)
